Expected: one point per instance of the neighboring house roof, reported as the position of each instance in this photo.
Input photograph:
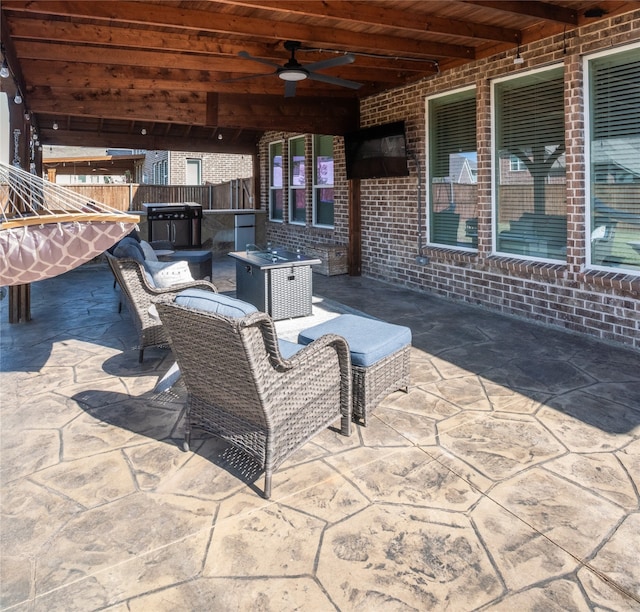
(623, 153)
(462, 169)
(99, 164)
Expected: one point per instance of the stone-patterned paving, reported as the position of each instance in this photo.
(506, 479)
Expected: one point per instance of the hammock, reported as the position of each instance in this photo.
(47, 230)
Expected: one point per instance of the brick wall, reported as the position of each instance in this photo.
(294, 236)
(602, 304)
(216, 167)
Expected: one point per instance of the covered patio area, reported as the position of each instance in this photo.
(507, 478)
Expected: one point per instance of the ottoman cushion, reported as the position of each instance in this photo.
(369, 339)
(287, 348)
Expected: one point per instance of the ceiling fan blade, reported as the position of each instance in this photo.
(290, 89)
(341, 60)
(246, 55)
(314, 76)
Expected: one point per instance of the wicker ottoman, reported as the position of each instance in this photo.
(379, 357)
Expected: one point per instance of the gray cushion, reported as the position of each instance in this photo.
(129, 248)
(199, 299)
(147, 249)
(288, 349)
(369, 339)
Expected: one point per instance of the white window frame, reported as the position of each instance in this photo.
(589, 225)
(316, 186)
(272, 188)
(516, 165)
(428, 198)
(293, 188)
(495, 164)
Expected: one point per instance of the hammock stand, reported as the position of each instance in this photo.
(46, 230)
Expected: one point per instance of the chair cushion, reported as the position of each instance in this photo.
(147, 249)
(168, 273)
(129, 248)
(199, 299)
(369, 339)
(288, 349)
(191, 256)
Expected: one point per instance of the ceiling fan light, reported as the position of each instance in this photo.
(292, 74)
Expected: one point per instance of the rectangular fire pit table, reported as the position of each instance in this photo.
(277, 282)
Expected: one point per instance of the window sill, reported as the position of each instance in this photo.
(523, 268)
(624, 283)
(446, 254)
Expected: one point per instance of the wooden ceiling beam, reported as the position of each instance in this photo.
(260, 112)
(38, 30)
(150, 105)
(372, 13)
(312, 115)
(94, 138)
(149, 65)
(65, 75)
(132, 14)
(529, 8)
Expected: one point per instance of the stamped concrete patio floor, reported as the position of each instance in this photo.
(506, 479)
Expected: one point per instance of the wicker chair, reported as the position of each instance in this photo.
(138, 294)
(241, 389)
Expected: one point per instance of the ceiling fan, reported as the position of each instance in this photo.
(293, 71)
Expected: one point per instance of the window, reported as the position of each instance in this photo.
(193, 172)
(275, 182)
(452, 170)
(160, 172)
(530, 215)
(297, 181)
(613, 137)
(323, 180)
(516, 164)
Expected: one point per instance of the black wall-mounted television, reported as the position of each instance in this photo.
(376, 152)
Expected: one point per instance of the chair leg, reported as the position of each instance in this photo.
(267, 484)
(186, 443)
(141, 355)
(345, 423)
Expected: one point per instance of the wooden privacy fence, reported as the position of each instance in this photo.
(235, 194)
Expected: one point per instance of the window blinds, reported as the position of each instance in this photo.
(530, 217)
(452, 170)
(454, 131)
(614, 173)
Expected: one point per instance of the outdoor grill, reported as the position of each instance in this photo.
(179, 223)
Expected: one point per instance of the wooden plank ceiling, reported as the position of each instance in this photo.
(168, 74)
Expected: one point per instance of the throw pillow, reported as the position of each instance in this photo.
(149, 253)
(168, 273)
(130, 249)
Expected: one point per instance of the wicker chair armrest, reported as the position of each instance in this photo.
(197, 284)
(265, 322)
(304, 363)
(311, 350)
